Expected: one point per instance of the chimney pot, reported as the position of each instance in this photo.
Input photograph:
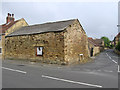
(12, 15)
(10, 18)
(8, 14)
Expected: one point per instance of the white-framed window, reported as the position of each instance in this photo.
(39, 51)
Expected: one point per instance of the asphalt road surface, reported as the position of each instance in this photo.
(102, 72)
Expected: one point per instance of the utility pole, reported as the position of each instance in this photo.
(118, 17)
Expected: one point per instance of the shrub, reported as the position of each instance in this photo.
(118, 46)
(111, 46)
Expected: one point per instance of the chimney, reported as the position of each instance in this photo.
(12, 18)
(9, 18)
(12, 15)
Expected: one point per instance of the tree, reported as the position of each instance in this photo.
(106, 41)
(118, 46)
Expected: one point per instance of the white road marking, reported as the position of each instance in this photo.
(108, 71)
(106, 54)
(104, 70)
(118, 68)
(99, 70)
(114, 62)
(14, 70)
(65, 80)
(59, 67)
(111, 59)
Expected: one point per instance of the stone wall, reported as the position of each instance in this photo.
(96, 49)
(13, 28)
(58, 47)
(3, 46)
(24, 47)
(75, 43)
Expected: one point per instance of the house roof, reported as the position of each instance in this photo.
(118, 35)
(95, 42)
(6, 26)
(91, 40)
(98, 42)
(42, 28)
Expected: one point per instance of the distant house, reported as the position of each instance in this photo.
(54, 42)
(117, 39)
(95, 46)
(100, 43)
(10, 26)
(111, 42)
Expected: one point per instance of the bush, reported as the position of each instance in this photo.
(106, 41)
(111, 46)
(118, 46)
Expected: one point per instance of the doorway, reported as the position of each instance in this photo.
(91, 52)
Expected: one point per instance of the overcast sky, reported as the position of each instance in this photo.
(97, 18)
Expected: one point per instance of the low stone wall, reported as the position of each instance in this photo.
(117, 52)
(96, 50)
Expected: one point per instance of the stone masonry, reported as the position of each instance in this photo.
(58, 47)
(20, 23)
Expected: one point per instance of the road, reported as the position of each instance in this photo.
(102, 72)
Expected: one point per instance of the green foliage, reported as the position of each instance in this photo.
(106, 41)
(118, 46)
(111, 46)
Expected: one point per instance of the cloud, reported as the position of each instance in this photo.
(97, 19)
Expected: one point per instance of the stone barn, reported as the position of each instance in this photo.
(60, 42)
(95, 46)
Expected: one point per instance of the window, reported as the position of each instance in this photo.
(39, 51)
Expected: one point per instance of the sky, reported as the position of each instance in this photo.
(97, 18)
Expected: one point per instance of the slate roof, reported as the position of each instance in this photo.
(95, 42)
(42, 28)
(91, 40)
(98, 42)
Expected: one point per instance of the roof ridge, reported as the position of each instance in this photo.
(53, 22)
